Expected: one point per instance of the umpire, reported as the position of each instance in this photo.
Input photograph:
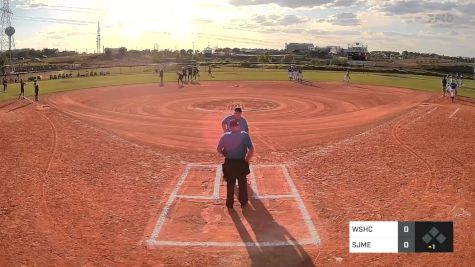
(236, 116)
(236, 146)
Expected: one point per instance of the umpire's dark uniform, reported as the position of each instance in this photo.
(237, 147)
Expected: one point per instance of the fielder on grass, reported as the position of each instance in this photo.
(37, 89)
(453, 90)
(5, 84)
(161, 76)
(347, 78)
(22, 89)
(444, 84)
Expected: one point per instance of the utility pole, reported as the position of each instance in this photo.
(98, 39)
(7, 41)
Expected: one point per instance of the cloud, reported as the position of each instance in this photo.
(51, 5)
(404, 7)
(344, 3)
(400, 7)
(32, 4)
(344, 19)
(202, 21)
(316, 32)
(345, 33)
(65, 33)
(292, 20)
(430, 13)
(280, 20)
(264, 22)
(295, 3)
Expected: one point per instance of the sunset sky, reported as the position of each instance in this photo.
(444, 27)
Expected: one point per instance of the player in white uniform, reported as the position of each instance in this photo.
(453, 90)
(300, 74)
(347, 78)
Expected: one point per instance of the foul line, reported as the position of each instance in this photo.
(453, 114)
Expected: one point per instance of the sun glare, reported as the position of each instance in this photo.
(154, 16)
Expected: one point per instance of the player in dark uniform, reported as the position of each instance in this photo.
(161, 76)
(209, 72)
(22, 89)
(183, 73)
(190, 73)
(196, 72)
(37, 89)
(180, 78)
(5, 84)
(444, 84)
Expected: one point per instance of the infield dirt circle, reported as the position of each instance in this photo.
(283, 115)
(128, 175)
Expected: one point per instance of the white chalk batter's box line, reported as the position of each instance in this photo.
(313, 240)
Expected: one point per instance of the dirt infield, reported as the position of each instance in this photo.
(128, 175)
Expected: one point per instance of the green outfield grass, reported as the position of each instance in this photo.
(146, 75)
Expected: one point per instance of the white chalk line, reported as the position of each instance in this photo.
(217, 181)
(268, 165)
(200, 165)
(253, 181)
(273, 196)
(453, 114)
(163, 215)
(153, 241)
(432, 110)
(306, 216)
(231, 244)
(196, 197)
(223, 198)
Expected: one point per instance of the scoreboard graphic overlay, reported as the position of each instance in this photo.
(400, 237)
